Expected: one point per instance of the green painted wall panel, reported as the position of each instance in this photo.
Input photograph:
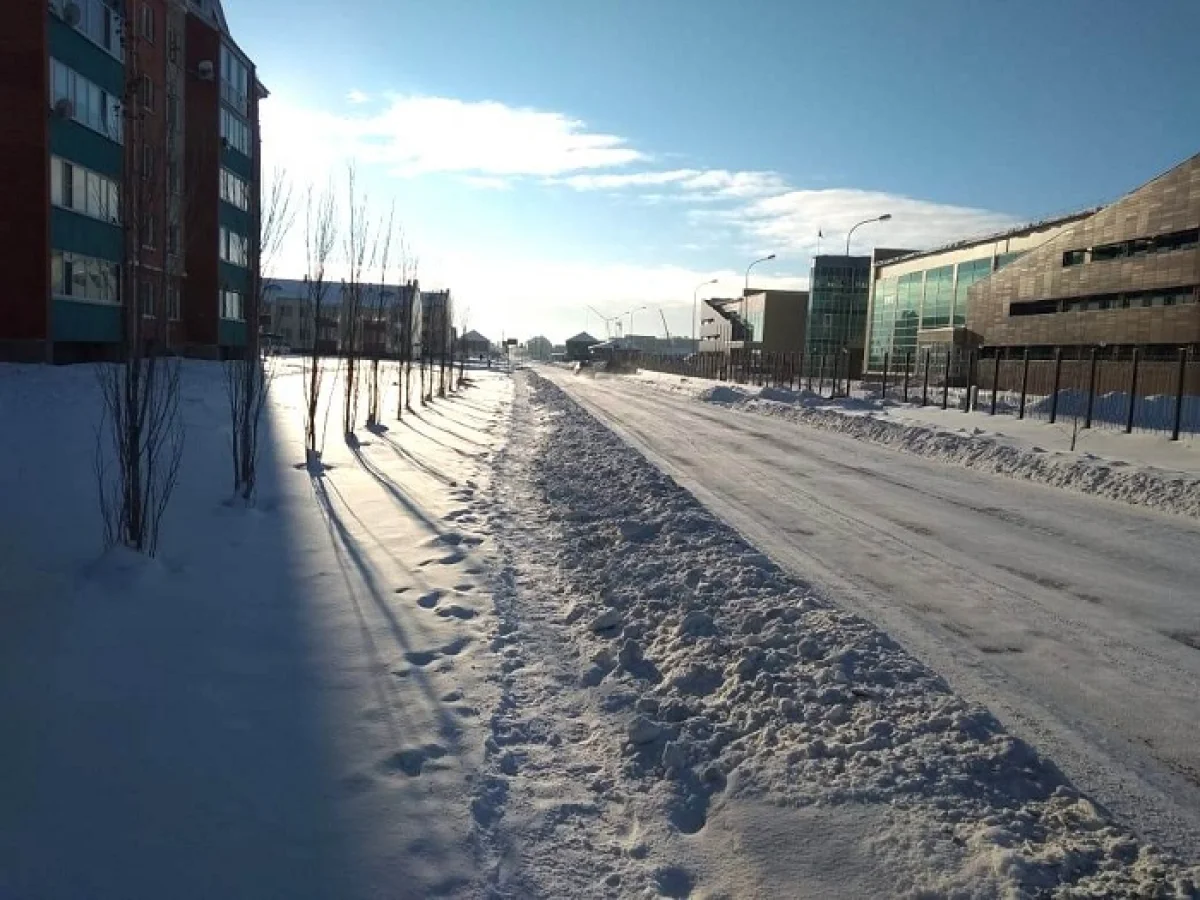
(82, 145)
(82, 234)
(236, 162)
(232, 217)
(233, 277)
(90, 322)
(70, 47)
(231, 333)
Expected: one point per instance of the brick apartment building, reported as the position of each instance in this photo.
(131, 157)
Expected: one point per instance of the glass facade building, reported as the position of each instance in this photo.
(924, 300)
(839, 289)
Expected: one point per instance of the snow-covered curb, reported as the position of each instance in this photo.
(1170, 492)
(725, 681)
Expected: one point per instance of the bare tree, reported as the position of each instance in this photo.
(463, 319)
(410, 297)
(360, 248)
(248, 378)
(320, 236)
(378, 320)
(139, 442)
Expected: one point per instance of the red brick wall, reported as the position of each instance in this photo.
(24, 160)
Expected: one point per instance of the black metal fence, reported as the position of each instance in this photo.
(1151, 390)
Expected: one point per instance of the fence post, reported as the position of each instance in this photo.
(1133, 374)
(972, 361)
(1087, 418)
(995, 379)
(1179, 392)
(907, 368)
(946, 382)
(883, 389)
(1057, 379)
(821, 376)
(1024, 384)
(925, 387)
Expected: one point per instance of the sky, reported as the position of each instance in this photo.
(545, 157)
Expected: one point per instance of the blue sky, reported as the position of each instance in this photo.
(548, 155)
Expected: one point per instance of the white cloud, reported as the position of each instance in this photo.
(357, 97)
(487, 182)
(790, 221)
(414, 135)
(695, 183)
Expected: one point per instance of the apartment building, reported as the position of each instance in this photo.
(112, 160)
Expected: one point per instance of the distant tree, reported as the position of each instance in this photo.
(320, 237)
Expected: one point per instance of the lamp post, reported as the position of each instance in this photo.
(630, 313)
(695, 307)
(746, 288)
(882, 218)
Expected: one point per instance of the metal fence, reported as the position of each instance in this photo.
(1138, 390)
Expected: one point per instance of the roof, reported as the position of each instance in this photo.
(475, 337)
(992, 237)
(583, 338)
(298, 288)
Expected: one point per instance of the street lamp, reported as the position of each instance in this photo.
(751, 266)
(882, 218)
(695, 307)
(630, 313)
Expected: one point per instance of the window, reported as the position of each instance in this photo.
(1036, 308)
(173, 302)
(146, 22)
(146, 93)
(148, 233)
(83, 191)
(173, 238)
(90, 106)
(98, 22)
(1004, 259)
(234, 248)
(235, 80)
(231, 305)
(147, 161)
(235, 132)
(235, 190)
(172, 110)
(1074, 258)
(84, 278)
(145, 298)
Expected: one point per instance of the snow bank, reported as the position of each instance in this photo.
(865, 420)
(730, 690)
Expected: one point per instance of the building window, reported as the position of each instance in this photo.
(235, 133)
(82, 277)
(145, 298)
(235, 80)
(231, 305)
(173, 302)
(80, 190)
(146, 22)
(88, 104)
(98, 22)
(235, 190)
(235, 248)
(172, 110)
(1074, 258)
(146, 93)
(147, 161)
(148, 233)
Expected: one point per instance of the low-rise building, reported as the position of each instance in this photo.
(475, 344)
(579, 347)
(539, 348)
(769, 321)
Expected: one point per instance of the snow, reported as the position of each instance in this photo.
(491, 651)
(1143, 469)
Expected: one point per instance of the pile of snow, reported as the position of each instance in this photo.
(746, 711)
(861, 418)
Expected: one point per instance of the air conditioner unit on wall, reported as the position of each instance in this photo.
(71, 13)
(205, 70)
(64, 108)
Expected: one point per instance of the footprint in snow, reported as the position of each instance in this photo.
(413, 760)
(456, 646)
(421, 657)
(457, 612)
(430, 600)
(449, 559)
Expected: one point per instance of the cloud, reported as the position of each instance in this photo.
(357, 97)
(418, 135)
(488, 182)
(693, 183)
(790, 220)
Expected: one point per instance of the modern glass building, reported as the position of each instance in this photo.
(919, 300)
(839, 289)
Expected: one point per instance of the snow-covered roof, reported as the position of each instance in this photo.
(583, 338)
(475, 337)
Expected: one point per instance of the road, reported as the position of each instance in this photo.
(1075, 620)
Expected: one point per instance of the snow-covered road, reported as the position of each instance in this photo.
(1076, 620)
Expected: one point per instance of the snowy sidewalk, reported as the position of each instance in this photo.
(288, 702)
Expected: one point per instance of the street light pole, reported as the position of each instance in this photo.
(882, 218)
(746, 288)
(695, 308)
(630, 314)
